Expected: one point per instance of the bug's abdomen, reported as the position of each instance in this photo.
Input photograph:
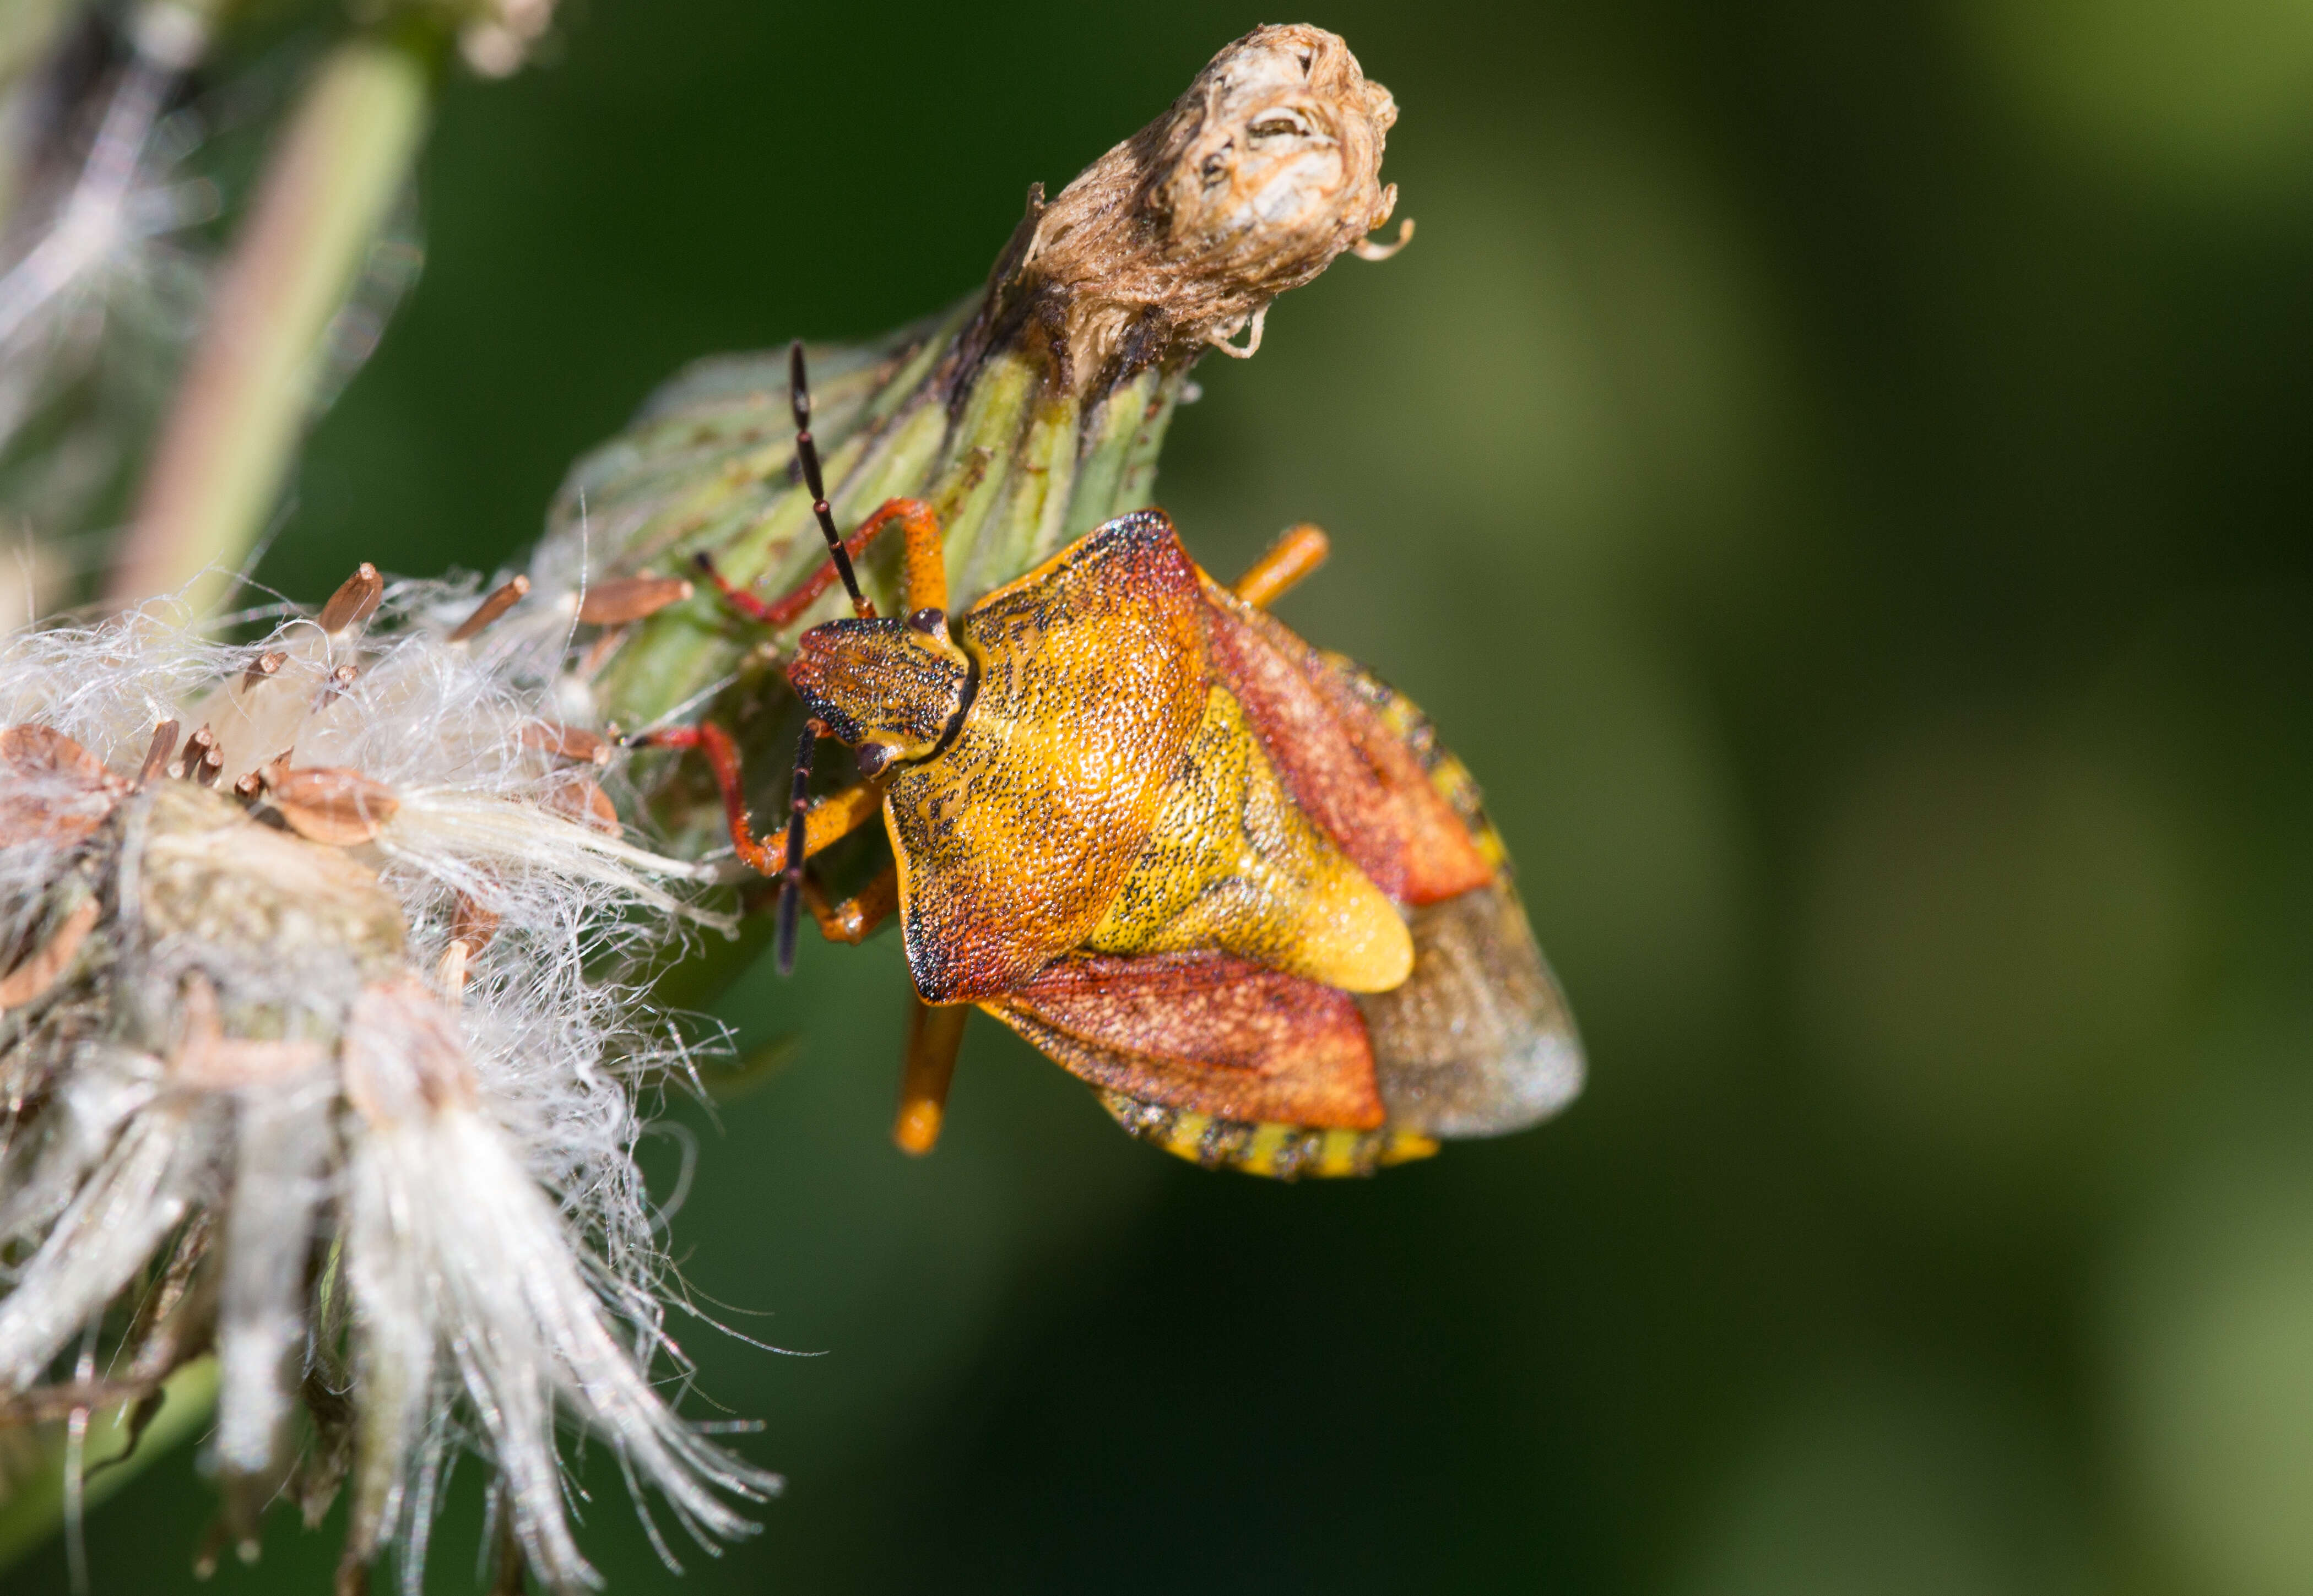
(1270, 1148)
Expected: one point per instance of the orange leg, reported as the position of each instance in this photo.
(833, 817)
(851, 920)
(924, 567)
(1298, 552)
(934, 1035)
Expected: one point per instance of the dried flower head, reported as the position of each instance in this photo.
(1265, 170)
(315, 1052)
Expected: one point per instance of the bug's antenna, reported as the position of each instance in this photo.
(808, 451)
(791, 882)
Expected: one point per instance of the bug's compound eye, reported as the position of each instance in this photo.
(928, 620)
(872, 757)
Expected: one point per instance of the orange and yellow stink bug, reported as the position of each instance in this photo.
(1229, 880)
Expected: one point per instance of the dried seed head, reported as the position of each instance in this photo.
(1263, 172)
(216, 879)
(231, 1045)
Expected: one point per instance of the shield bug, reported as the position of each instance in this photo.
(1231, 880)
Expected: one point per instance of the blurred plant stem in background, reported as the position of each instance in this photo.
(335, 172)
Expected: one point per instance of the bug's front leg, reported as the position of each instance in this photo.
(825, 823)
(923, 568)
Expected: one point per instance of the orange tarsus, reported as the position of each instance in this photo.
(934, 1036)
(835, 816)
(925, 568)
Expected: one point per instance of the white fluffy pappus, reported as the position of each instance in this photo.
(320, 1047)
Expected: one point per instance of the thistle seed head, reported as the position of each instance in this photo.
(326, 1015)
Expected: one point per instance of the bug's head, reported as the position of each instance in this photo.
(890, 689)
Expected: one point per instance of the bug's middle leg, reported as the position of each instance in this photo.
(933, 1037)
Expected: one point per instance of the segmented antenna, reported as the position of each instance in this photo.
(808, 451)
(791, 882)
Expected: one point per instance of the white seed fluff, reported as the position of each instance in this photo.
(321, 1043)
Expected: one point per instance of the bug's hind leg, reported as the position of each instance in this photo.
(826, 822)
(1297, 552)
(934, 1035)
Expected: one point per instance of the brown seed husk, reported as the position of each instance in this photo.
(630, 598)
(52, 790)
(566, 743)
(341, 808)
(403, 1059)
(580, 799)
(473, 924)
(501, 600)
(355, 601)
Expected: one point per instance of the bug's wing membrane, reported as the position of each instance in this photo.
(1205, 1031)
(1477, 1041)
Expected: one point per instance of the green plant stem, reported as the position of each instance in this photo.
(224, 451)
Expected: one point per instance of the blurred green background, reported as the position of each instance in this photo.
(1838, 474)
